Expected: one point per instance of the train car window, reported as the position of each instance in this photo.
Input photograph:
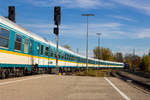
(73, 58)
(59, 55)
(31, 46)
(62, 55)
(51, 52)
(76, 58)
(56, 54)
(46, 51)
(42, 47)
(70, 57)
(38, 49)
(18, 42)
(26, 46)
(65, 56)
(4, 37)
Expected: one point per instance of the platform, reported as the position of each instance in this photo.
(54, 87)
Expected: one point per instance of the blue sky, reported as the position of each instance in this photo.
(124, 24)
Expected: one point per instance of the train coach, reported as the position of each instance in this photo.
(23, 52)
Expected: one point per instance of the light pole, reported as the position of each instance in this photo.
(87, 15)
(98, 34)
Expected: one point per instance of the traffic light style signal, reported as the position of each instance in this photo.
(11, 14)
(57, 15)
(56, 30)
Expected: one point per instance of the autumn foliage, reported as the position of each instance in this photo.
(136, 62)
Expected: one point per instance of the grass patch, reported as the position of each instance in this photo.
(95, 73)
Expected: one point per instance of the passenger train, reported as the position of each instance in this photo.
(23, 52)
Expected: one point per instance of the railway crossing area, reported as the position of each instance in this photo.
(54, 87)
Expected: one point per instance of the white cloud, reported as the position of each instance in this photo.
(44, 25)
(39, 3)
(124, 18)
(142, 5)
(106, 25)
(86, 4)
(140, 51)
(109, 30)
(145, 33)
(37, 25)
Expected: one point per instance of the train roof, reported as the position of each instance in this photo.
(29, 33)
(39, 38)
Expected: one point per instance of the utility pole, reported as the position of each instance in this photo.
(87, 15)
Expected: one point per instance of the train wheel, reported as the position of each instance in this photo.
(3, 75)
(21, 72)
(7, 73)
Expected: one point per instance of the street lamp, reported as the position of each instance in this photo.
(98, 34)
(87, 15)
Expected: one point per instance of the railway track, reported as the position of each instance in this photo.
(137, 82)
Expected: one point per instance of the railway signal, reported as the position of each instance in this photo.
(57, 15)
(56, 30)
(11, 14)
(57, 19)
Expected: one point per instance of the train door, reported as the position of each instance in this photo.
(38, 53)
(26, 48)
(47, 55)
(31, 52)
(42, 50)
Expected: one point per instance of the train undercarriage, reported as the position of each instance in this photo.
(8, 72)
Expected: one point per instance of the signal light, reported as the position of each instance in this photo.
(57, 15)
(56, 30)
(11, 15)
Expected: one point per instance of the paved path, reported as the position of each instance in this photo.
(52, 87)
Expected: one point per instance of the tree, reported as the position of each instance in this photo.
(96, 52)
(145, 63)
(103, 53)
(118, 57)
(132, 60)
(67, 47)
